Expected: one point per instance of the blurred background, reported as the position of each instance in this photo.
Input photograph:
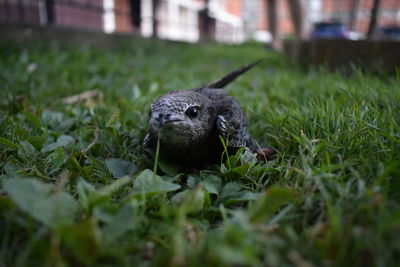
(229, 21)
(337, 33)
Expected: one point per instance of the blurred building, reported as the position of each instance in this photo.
(231, 21)
(192, 20)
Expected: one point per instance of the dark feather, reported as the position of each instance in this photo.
(221, 83)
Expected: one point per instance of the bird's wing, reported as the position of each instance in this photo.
(147, 140)
(232, 131)
(230, 120)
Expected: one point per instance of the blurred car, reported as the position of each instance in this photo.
(330, 30)
(389, 33)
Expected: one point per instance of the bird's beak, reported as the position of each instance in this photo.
(163, 120)
(168, 121)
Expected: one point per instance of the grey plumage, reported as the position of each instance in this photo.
(189, 123)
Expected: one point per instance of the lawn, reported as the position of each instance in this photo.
(77, 188)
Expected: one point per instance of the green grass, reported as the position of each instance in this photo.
(77, 187)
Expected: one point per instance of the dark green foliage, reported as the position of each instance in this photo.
(77, 188)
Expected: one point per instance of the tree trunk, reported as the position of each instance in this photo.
(21, 10)
(355, 6)
(272, 7)
(49, 4)
(136, 13)
(297, 12)
(372, 22)
(155, 19)
(205, 22)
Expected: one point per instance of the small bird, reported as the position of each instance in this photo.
(188, 124)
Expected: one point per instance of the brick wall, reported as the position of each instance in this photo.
(262, 16)
(122, 16)
(23, 11)
(79, 13)
(234, 7)
(340, 10)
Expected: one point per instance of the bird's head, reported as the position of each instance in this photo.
(181, 118)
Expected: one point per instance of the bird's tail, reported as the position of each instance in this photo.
(221, 83)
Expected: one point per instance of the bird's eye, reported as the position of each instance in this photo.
(192, 112)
